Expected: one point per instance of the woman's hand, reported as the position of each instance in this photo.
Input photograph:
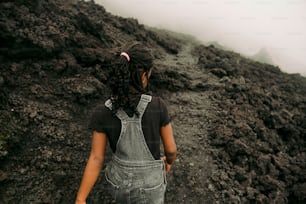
(167, 166)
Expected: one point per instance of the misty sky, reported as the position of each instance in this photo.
(245, 25)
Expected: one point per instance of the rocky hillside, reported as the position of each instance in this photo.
(240, 125)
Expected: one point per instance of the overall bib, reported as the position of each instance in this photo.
(133, 175)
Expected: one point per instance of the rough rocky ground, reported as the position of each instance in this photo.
(240, 125)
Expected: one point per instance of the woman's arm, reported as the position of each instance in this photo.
(169, 145)
(93, 167)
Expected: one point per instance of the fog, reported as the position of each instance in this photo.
(244, 26)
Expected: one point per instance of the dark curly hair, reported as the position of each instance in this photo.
(125, 78)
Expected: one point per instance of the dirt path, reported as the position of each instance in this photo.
(190, 117)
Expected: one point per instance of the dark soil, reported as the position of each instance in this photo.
(240, 125)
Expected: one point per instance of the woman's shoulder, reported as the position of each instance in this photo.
(158, 99)
(101, 109)
(159, 108)
(158, 102)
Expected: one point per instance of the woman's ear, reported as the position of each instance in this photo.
(144, 79)
(143, 76)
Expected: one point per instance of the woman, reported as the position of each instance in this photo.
(133, 122)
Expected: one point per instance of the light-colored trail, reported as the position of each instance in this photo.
(190, 117)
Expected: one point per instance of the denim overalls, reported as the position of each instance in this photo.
(133, 175)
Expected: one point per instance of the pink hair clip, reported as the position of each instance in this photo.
(124, 54)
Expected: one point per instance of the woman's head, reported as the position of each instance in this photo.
(129, 76)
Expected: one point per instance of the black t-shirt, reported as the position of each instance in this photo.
(155, 116)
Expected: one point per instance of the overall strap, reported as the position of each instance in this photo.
(141, 107)
(120, 113)
(108, 104)
(143, 103)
